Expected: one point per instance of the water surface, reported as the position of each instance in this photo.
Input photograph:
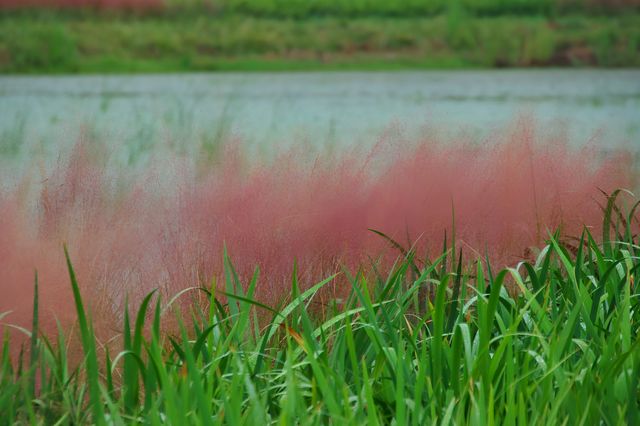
(145, 112)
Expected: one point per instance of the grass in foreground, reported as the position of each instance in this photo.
(554, 341)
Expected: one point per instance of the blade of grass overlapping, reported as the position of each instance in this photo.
(88, 345)
(33, 352)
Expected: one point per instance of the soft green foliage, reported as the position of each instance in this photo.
(234, 42)
(350, 8)
(443, 342)
(49, 45)
(315, 8)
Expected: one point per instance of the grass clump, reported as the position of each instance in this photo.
(549, 341)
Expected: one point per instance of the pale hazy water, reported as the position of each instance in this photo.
(143, 113)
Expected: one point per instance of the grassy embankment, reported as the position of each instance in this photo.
(85, 41)
(560, 347)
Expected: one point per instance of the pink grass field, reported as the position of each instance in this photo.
(505, 196)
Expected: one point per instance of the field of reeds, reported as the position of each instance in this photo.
(432, 281)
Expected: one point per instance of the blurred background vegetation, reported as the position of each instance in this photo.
(62, 36)
(345, 8)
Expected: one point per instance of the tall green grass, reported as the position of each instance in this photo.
(445, 341)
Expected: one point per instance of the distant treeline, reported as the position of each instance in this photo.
(346, 8)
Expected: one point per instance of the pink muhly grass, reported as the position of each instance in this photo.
(504, 196)
(130, 5)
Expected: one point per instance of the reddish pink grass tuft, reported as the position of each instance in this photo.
(131, 5)
(504, 196)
